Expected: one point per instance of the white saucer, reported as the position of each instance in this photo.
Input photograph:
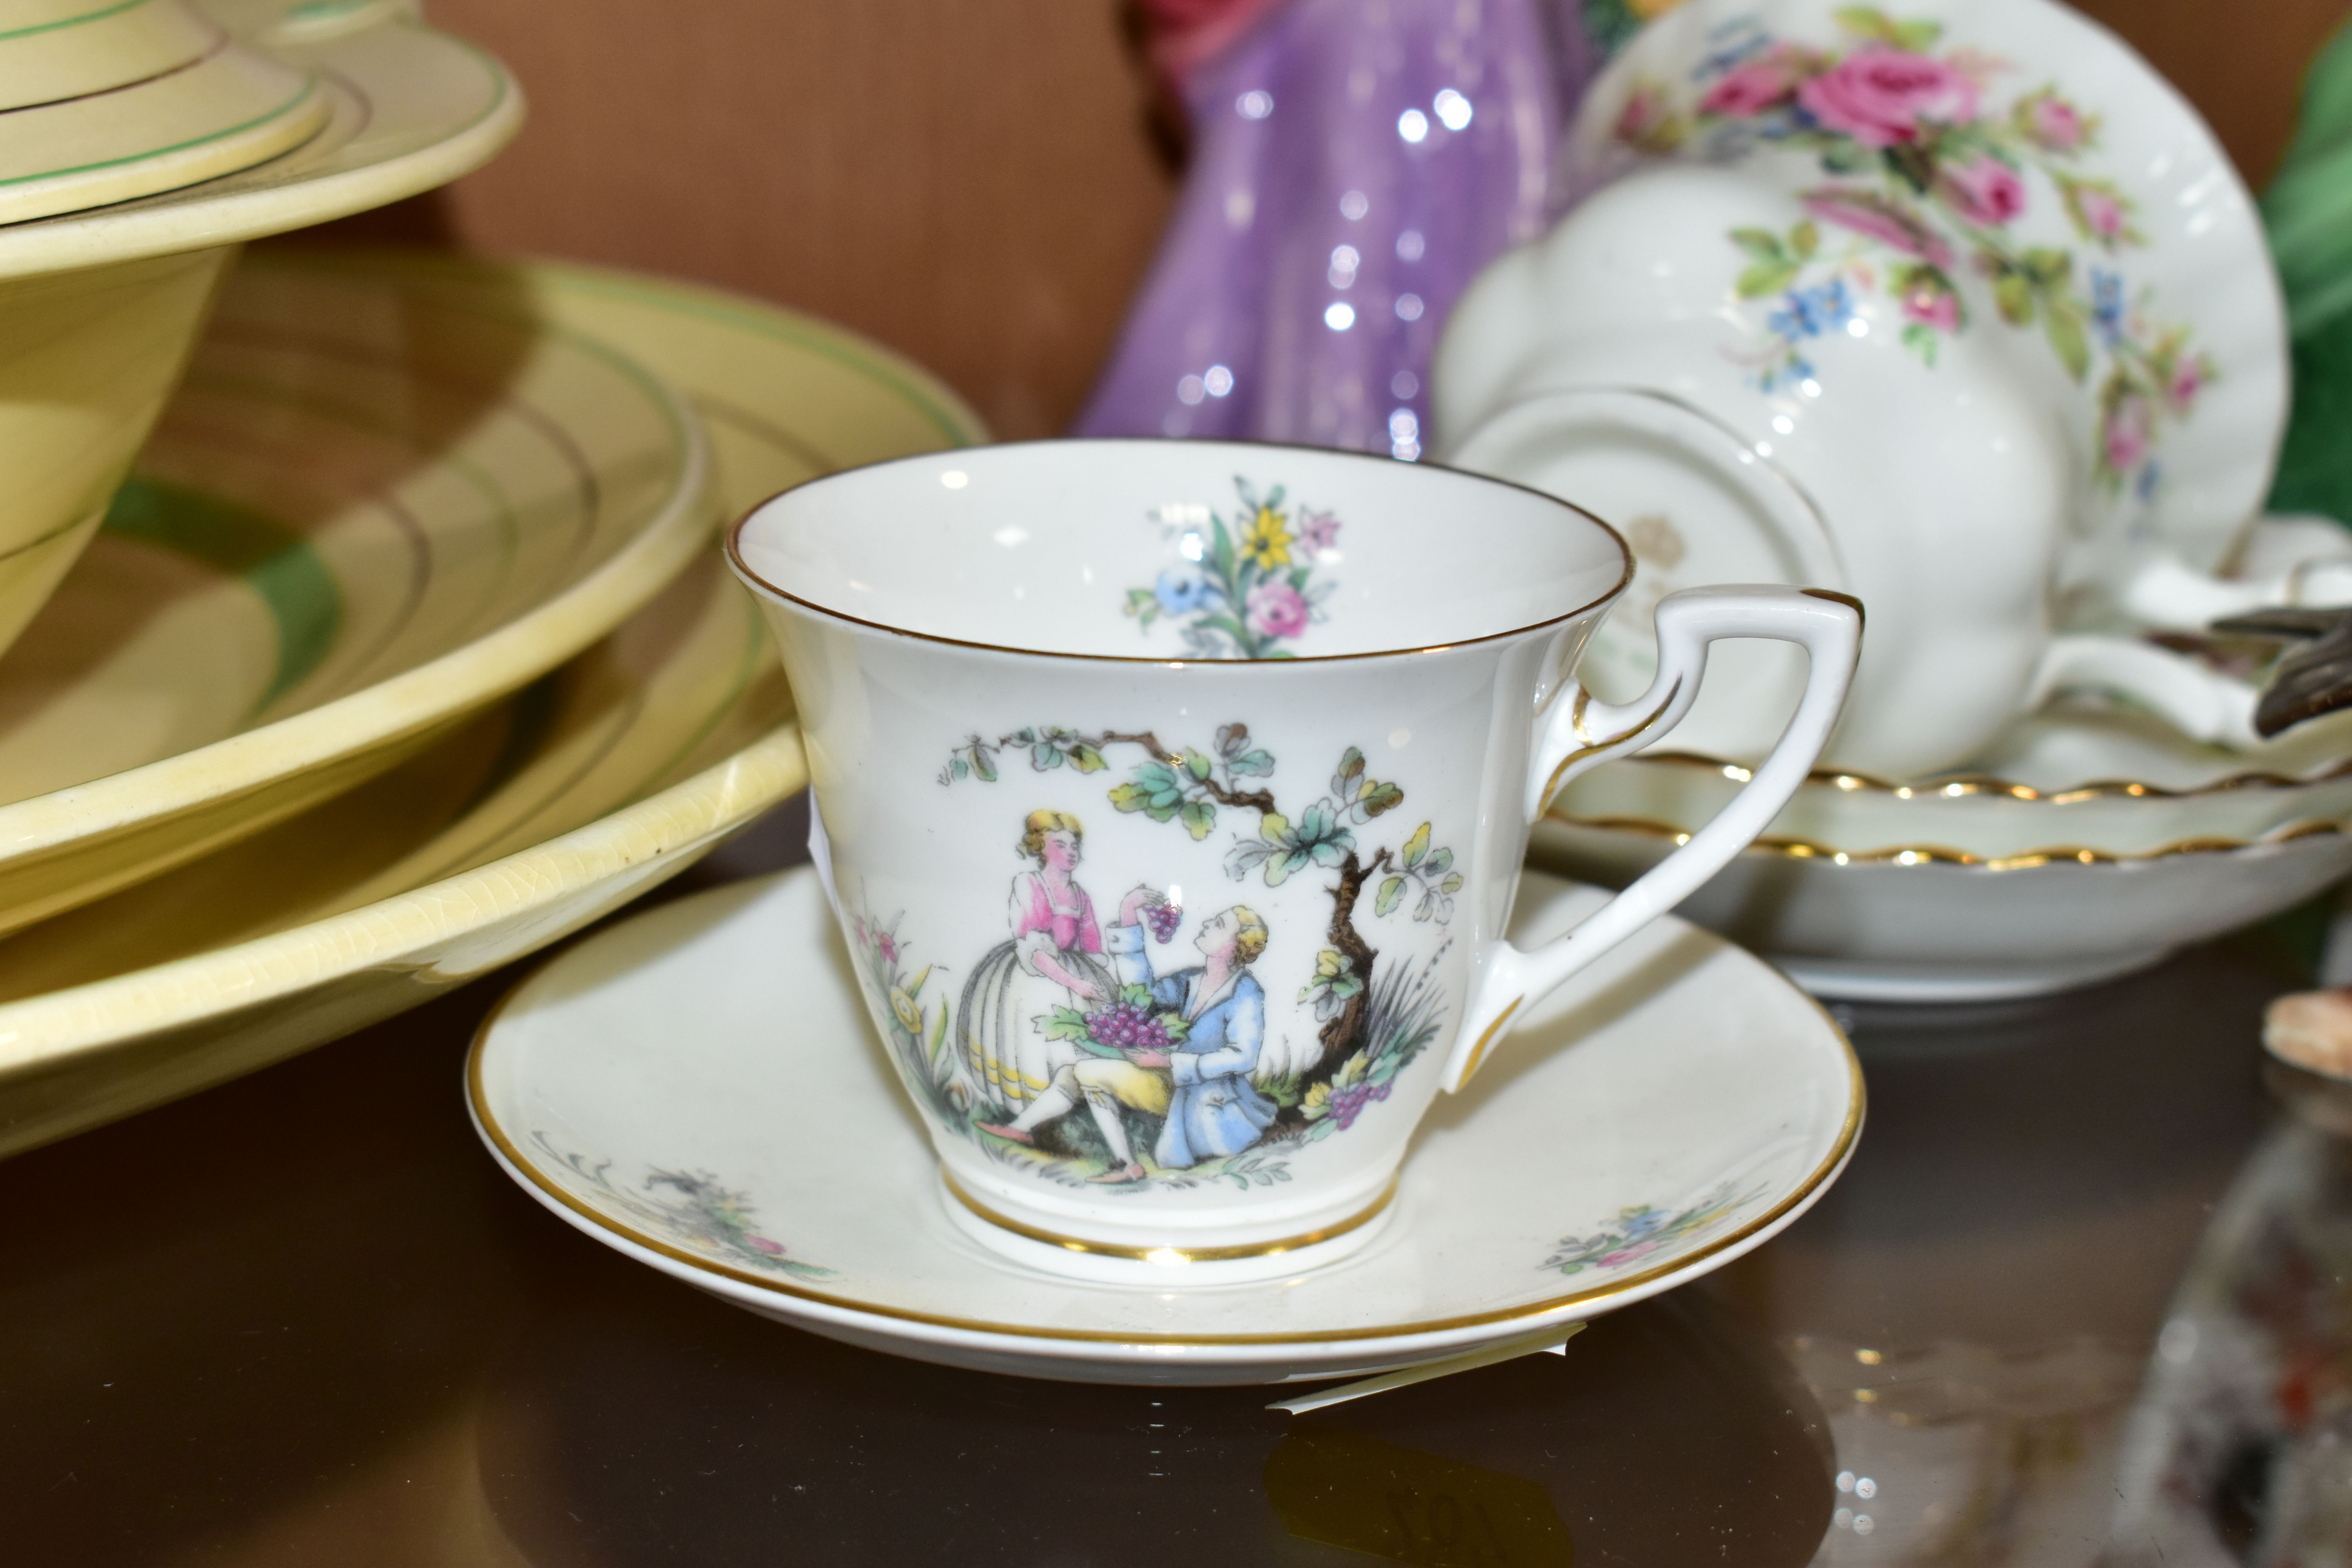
(699, 1089)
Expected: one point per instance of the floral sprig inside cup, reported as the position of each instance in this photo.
(1928, 185)
(1246, 588)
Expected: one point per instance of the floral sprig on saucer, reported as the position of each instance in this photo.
(1244, 589)
(1928, 181)
(691, 1208)
(1641, 1230)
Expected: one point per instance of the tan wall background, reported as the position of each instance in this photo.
(972, 181)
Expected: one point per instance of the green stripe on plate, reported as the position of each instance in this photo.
(277, 561)
(97, 16)
(686, 300)
(308, 91)
(781, 323)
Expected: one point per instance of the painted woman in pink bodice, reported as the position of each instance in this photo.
(1068, 926)
(1053, 959)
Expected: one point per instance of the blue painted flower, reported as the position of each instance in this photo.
(1180, 590)
(1810, 312)
(2107, 305)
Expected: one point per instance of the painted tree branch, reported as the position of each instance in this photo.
(1189, 785)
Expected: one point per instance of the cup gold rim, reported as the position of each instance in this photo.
(752, 579)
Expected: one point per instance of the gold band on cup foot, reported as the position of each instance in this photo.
(1114, 1263)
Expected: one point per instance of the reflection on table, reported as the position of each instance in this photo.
(302, 1319)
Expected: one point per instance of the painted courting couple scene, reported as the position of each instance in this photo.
(1136, 1047)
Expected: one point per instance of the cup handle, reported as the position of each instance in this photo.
(1582, 733)
(2164, 593)
(2202, 703)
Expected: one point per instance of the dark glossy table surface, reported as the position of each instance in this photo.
(302, 1319)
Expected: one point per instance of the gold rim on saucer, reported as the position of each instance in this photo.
(1933, 855)
(519, 1165)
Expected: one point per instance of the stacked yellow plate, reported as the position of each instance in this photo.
(140, 141)
(405, 651)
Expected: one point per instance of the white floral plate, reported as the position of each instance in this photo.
(2083, 782)
(699, 1089)
(1885, 929)
(2086, 843)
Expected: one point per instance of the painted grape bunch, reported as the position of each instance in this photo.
(1165, 919)
(1347, 1102)
(1124, 1027)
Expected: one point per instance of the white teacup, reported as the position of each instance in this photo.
(1975, 280)
(1172, 797)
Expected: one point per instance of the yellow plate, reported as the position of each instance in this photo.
(392, 107)
(51, 50)
(367, 514)
(227, 107)
(591, 786)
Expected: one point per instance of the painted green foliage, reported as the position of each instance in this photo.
(918, 1033)
(1369, 1030)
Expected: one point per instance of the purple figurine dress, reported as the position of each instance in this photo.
(1355, 162)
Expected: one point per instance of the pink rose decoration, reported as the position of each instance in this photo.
(1755, 86)
(2188, 379)
(2101, 211)
(1938, 308)
(1985, 191)
(771, 1248)
(1879, 95)
(1642, 118)
(889, 949)
(1275, 610)
(2126, 434)
(2055, 124)
(1627, 1253)
(1874, 215)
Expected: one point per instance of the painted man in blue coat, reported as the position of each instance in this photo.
(1215, 1108)
(1201, 1085)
